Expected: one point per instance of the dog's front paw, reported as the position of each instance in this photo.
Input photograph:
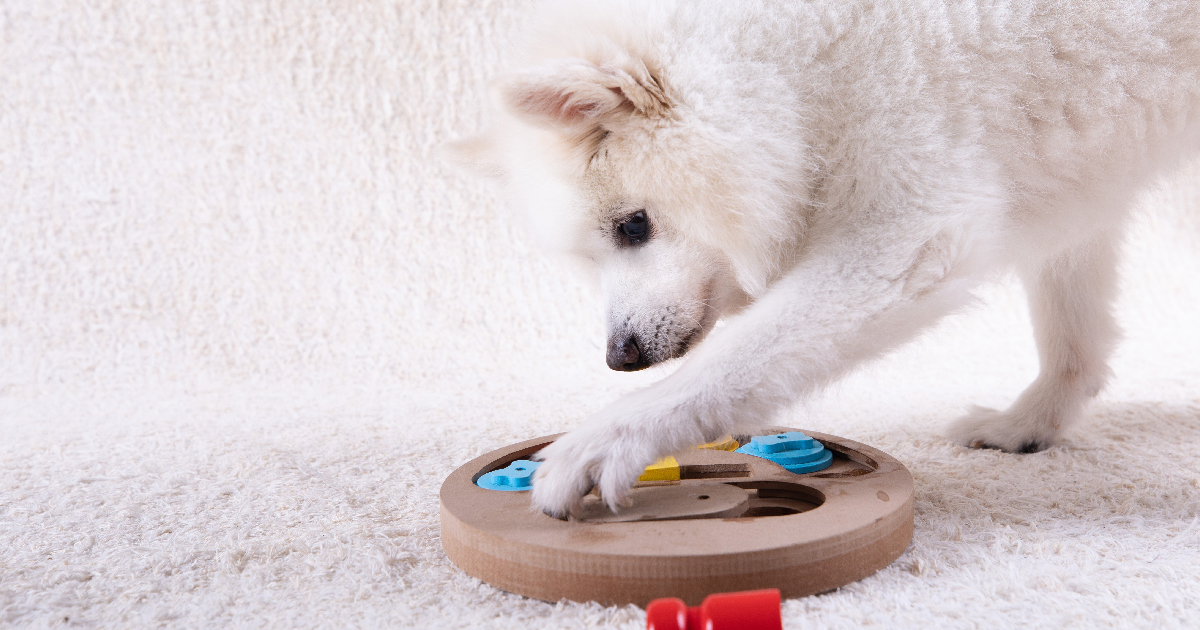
(602, 457)
(1009, 431)
(563, 478)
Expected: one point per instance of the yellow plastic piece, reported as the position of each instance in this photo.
(665, 469)
(726, 443)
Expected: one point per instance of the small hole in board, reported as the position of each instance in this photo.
(703, 496)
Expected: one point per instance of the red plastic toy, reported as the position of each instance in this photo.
(747, 610)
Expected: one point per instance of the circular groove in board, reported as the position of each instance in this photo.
(800, 533)
(672, 502)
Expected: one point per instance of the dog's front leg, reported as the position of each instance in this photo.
(842, 304)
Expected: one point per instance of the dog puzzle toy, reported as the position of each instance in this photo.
(748, 610)
(730, 521)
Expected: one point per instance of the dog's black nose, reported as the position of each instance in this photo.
(624, 354)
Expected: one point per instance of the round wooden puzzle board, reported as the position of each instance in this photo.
(802, 534)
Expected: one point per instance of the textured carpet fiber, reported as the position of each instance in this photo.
(249, 322)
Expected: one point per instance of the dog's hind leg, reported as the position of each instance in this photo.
(1070, 298)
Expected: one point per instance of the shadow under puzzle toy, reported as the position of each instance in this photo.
(801, 513)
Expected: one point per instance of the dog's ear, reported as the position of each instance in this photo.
(574, 93)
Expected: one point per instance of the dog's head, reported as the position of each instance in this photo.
(681, 198)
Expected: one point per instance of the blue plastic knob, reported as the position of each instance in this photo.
(793, 450)
(515, 477)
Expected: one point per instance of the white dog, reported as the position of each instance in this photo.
(831, 177)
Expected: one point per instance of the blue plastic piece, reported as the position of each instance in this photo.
(516, 477)
(793, 450)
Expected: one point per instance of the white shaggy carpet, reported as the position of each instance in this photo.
(249, 322)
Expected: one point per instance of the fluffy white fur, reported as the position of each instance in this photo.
(831, 177)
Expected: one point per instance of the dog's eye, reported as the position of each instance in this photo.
(634, 229)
